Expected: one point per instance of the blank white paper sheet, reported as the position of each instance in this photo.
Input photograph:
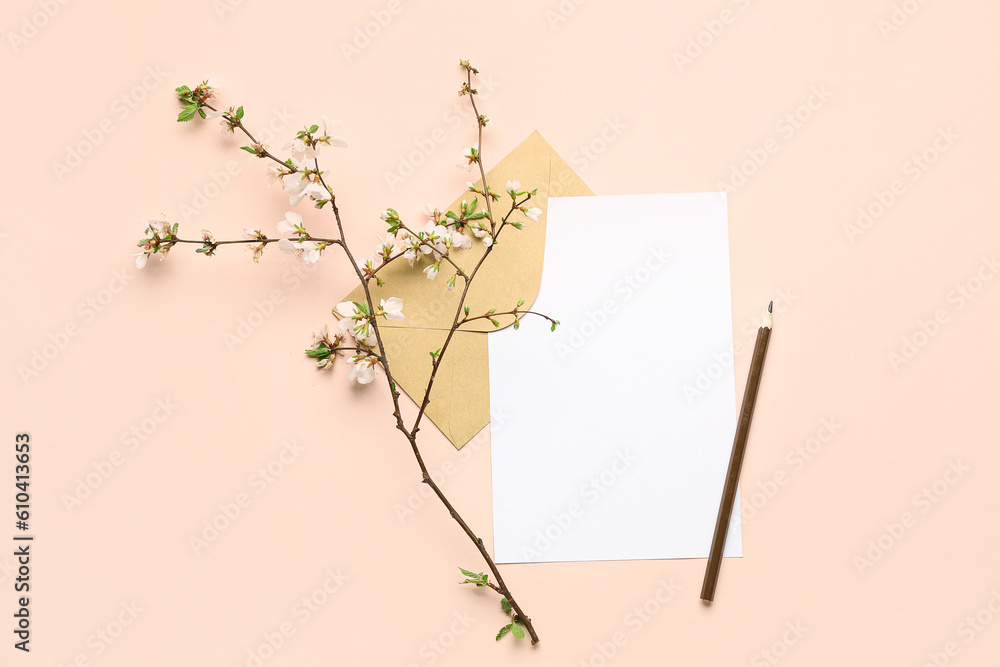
(611, 436)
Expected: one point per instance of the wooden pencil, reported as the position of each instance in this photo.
(736, 459)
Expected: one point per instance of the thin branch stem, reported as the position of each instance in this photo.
(515, 312)
(304, 237)
(482, 170)
(237, 122)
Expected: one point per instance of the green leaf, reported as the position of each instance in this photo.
(187, 113)
(495, 323)
(505, 605)
(504, 630)
(517, 630)
(239, 113)
(249, 149)
(477, 578)
(313, 129)
(451, 215)
(201, 112)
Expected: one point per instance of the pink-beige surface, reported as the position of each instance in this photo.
(858, 143)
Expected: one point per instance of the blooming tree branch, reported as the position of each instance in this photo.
(428, 247)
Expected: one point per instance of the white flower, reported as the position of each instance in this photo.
(410, 244)
(432, 270)
(321, 336)
(298, 188)
(158, 227)
(355, 321)
(533, 213)
(365, 333)
(362, 368)
(434, 237)
(470, 156)
(275, 175)
(315, 191)
(513, 187)
(461, 241)
(301, 151)
(140, 259)
(366, 266)
(346, 309)
(292, 224)
(392, 308)
(310, 252)
(331, 129)
(386, 246)
(307, 251)
(482, 231)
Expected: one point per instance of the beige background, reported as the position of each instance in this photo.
(827, 551)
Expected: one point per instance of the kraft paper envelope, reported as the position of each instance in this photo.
(460, 399)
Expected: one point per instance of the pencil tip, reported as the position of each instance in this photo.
(770, 306)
